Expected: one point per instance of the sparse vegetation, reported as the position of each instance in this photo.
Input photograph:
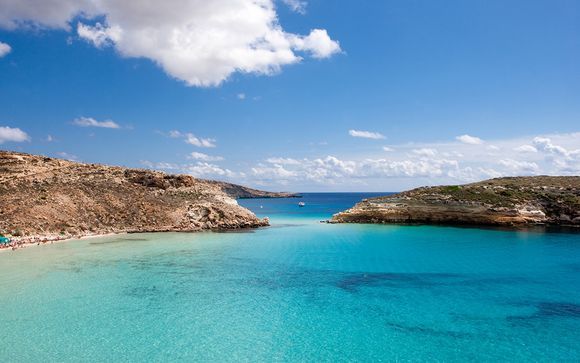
(539, 199)
(46, 196)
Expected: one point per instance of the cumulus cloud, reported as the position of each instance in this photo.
(366, 134)
(4, 49)
(526, 149)
(200, 169)
(434, 163)
(91, 122)
(318, 43)
(12, 134)
(388, 149)
(283, 161)
(192, 139)
(241, 96)
(408, 165)
(471, 140)
(98, 34)
(298, 6)
(199, 142)
(201, 43)
(425, 152)
(545, 144)
(331, 169)
(204, 170)
(204, 157)
(519, 166)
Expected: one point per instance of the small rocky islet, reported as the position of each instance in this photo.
(510, 202)
(49, 198)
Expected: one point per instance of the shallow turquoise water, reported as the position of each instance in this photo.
(297, 291)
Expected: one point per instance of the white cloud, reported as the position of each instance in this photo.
(430, 163)
(283, 161)
(204, 157)
(276, 172)
(388, 149)
(200, 169)
(67, 156)
(519, 166)
(298, 6)
(4, 49)
(408, 165)
(366, 134)
(192, 139)
(42, 13)
(526, 149)
(545, 144)
(160, 165)
(318, 43)
(204, 170)
(425, 152)
(199, 42)
(471, 140)
(241, 96)
(199, 142)
(98, 34)
(12, 134)
(91, 122)
(331, 169)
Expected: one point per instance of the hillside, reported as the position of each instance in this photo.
(42, 196)
(550, 200)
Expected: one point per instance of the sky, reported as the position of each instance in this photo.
(297, 95)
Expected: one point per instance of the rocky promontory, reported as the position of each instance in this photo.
(56, 199)
(515, 201)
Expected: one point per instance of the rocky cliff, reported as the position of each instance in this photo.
(503, 201)
(51, 197)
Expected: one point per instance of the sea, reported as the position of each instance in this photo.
(298, 291)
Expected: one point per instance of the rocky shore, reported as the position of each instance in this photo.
(517, 201)
(45, 199)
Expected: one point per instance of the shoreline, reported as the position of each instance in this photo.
(18, 243)
(38, 240)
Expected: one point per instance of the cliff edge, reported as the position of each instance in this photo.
(548, 200)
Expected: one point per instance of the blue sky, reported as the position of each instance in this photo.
(297, 95)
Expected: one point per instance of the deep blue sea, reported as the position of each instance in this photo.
(298, 291)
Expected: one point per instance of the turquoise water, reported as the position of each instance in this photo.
(297, 291)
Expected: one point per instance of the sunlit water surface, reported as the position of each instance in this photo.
(297, 291)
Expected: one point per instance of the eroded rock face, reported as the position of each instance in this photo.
(503, 201)
(46, 196)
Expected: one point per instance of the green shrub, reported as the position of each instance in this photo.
(452, 188)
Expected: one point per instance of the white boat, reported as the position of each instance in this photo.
(301, 204)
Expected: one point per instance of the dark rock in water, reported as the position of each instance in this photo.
(546, 310)
(352, 282)
(562, 309)
(517, 201)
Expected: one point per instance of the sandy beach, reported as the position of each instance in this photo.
(18, 243)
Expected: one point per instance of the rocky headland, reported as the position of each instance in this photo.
(44, 198)
(515, 201)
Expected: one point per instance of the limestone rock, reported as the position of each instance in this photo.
(549, 200)
(53, 197)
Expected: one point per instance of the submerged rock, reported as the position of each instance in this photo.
(549, 200)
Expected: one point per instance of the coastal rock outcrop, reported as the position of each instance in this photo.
(42, 196)
(548, 200)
